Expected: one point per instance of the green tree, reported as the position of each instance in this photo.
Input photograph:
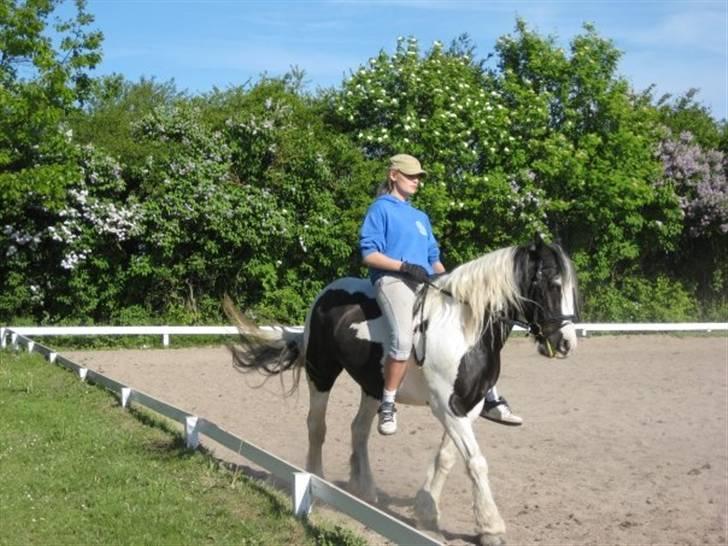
(551, 140)
(132, 201)
(316, 178)
(111, 109)
(444, 108)
(701, 258)
(244, 191)
(686, 114)
(590, 144)
(39, 86)
(693, 152)
(89, 244)
(198, 225)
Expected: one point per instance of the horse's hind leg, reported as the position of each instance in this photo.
(361, 482)
(316, 421)
(427, 500)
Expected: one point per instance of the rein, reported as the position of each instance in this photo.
(534, 328)
(430, 284)
(422, 326)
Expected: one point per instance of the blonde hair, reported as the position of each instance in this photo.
(387, 186)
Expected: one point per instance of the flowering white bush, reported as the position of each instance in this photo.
(97, 214)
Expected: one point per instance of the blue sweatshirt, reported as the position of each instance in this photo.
(398, 230)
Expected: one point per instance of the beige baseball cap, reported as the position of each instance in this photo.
(406, 164)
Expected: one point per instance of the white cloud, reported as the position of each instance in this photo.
(701, 31)
(676, 76)
(112, 52)
(237, 61)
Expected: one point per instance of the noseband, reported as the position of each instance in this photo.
(537, 330)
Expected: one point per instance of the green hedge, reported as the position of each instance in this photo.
(133, 203)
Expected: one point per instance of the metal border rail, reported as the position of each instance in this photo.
(305, 487)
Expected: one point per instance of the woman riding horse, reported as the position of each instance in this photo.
(398, 246)
(461, 321)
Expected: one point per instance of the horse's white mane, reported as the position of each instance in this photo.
(488, 285)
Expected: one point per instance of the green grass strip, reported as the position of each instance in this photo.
(76, 468)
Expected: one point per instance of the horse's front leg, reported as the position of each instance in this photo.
(361, 482)
(427, 500)
(489, 523)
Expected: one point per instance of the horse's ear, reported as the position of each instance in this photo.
(538, 242)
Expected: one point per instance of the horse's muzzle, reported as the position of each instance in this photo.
(564, 346)
(559, 343)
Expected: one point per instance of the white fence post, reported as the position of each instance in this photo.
(31, 344)
(302, 497)
(82, 373)
(165, 339)
(14, 341)
(52, 357)
(125, 394)
(192, 439)
(2, 338)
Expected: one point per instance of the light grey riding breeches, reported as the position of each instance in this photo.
(396, 298)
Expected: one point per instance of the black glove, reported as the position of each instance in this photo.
(415, 272)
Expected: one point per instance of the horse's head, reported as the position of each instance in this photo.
(548, 282)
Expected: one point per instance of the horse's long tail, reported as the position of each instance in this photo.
(270, 351)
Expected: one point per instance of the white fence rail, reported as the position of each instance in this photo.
(583, 329)
(164, 331)
(305, 487)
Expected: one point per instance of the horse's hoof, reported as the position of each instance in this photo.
(365, 494)
(486, 539)
(426, 510)
(371, 498)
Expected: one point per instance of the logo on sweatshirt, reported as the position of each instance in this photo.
(421, 228)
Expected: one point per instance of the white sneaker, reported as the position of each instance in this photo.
(500, 412)
(387, 418)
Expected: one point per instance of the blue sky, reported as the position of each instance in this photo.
(675, 44)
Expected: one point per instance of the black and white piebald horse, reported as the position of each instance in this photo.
(461, 322)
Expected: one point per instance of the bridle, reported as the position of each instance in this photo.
(540, 330)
